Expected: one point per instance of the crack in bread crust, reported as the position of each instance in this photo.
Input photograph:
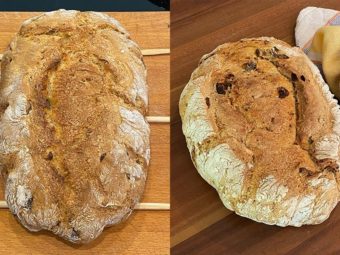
(283, 120)
(75, 148)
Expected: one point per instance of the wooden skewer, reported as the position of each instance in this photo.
(153, 206)
(140, 206)
(158, 119)
(154, 52)
(3, 204)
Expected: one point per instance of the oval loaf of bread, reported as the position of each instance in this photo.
(263, 129)
(74, 140)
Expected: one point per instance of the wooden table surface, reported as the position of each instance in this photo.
(199, 222)
(145, 232)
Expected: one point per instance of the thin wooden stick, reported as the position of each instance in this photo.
(154, 52)
(3, 204)
(140, 206)
(153, 206)
(158, 119)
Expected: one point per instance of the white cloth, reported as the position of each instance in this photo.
(317, 33)
(310, 19)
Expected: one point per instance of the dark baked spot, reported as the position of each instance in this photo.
(104, 61)
(249, 66)
(281, 56)
(229, 77)
(54, 64)
(246, 107)
(49, 156)
(207, 101)
(274, 52)
(220, 89)
(51, 31)
(228, 86)
(29, 203)
(305, 171)
(47, 103)
(272, 120)
(332, 169)
(29, 107)
(283, 92)
(328, 164)
(102, 157)
(74, 234)
(310, 140)
(257, 52)
(128, 176)
(302, 78)
(57, 174)
(294, 77)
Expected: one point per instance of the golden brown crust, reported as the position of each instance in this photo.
(85, 97)
(268, 103)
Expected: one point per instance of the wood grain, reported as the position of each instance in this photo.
(146, 232)
(143, 233)
(199, 222)
(158, 68)
(149, 29)
(237, 235)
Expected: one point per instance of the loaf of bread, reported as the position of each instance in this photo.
(74, 140)
(263, 129)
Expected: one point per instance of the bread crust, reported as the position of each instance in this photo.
(74, 140)
(263, 129)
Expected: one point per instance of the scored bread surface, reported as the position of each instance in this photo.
(263, 129)
(74, 140)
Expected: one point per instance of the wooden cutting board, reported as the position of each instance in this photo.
(145, 232)
(199, 222)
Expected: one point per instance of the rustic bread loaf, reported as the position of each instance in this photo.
(74, 140)
(263, 129)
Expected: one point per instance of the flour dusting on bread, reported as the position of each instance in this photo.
(263, 129)
(74, 145)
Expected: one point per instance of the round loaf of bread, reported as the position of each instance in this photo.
(74, 140)
(263, 129)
